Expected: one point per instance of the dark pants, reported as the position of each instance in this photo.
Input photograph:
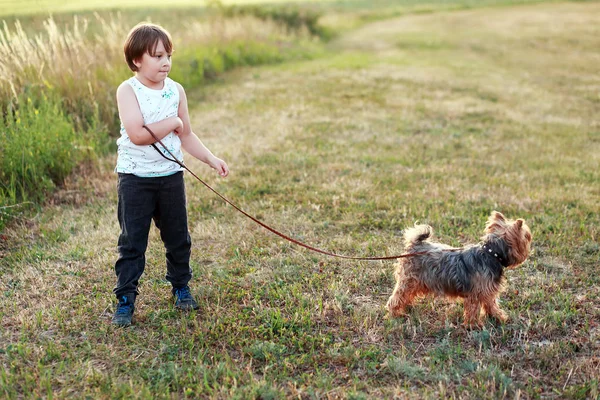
(140, 201)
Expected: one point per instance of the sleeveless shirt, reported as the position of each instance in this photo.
(155, 105)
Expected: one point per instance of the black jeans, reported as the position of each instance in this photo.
(140, 201)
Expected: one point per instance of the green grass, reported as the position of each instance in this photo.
(57, 95)
(13, 7)
(438, 118)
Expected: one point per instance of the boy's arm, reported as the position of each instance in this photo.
(190, 141)
(131, 116)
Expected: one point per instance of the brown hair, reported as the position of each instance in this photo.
(143, 38)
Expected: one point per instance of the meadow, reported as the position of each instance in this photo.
(437, 114)
(57, 93)
(22, 8)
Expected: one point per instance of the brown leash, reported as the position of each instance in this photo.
(306, 246)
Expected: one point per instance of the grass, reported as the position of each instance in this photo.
(13, 7)
(54, 74)
(438, 117)
(46, 7)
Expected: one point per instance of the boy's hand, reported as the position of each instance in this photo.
(219, 165)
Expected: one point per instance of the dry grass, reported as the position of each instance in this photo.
(433, 118)
(14, 7)
(68, 72)
(56, 56)
(69, 58)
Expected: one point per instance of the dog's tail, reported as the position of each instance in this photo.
(418, 234)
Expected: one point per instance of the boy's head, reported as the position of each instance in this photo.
(144, 38)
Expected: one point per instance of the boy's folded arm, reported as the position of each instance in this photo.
(131, 117)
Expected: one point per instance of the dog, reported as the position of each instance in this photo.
(474, 273)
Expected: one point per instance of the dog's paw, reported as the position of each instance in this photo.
(396, 311)
(397, 314)
(500, 316)
(472, 324)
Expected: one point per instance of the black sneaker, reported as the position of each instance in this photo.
(184, 300)
(124, 310)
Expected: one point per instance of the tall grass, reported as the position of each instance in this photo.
(55, 95)
(39, 146)
(84, 68)
(204, 49)
(60, 82)
(63, 60)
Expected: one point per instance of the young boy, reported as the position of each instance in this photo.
(149, 186)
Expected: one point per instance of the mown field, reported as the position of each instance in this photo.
(438, 117)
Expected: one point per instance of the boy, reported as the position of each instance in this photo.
(149, 186)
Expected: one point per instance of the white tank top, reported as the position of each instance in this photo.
(155, 105)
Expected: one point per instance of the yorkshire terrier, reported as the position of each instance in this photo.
(474, 273)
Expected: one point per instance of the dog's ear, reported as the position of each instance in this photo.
(498, 216)
(519, 223)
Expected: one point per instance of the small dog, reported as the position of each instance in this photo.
(475, 273)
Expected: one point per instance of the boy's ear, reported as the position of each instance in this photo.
(137, 62)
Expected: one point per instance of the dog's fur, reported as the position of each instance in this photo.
(474, 273)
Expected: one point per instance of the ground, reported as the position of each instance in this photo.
(437, 118)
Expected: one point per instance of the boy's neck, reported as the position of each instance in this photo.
(150, 84)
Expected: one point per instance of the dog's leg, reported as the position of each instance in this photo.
(395, 303)
(491, 307)
(472, 312)
(404, 293)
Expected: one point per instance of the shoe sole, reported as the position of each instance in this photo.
(187, 308)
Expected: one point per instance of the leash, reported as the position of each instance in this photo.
(276, 232)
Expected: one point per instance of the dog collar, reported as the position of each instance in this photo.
(490, 249)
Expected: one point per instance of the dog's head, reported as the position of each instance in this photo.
(516, 234)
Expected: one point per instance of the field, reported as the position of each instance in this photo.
(15, 7)
(438, 117)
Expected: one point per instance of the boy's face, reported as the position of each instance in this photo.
(153, 69)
